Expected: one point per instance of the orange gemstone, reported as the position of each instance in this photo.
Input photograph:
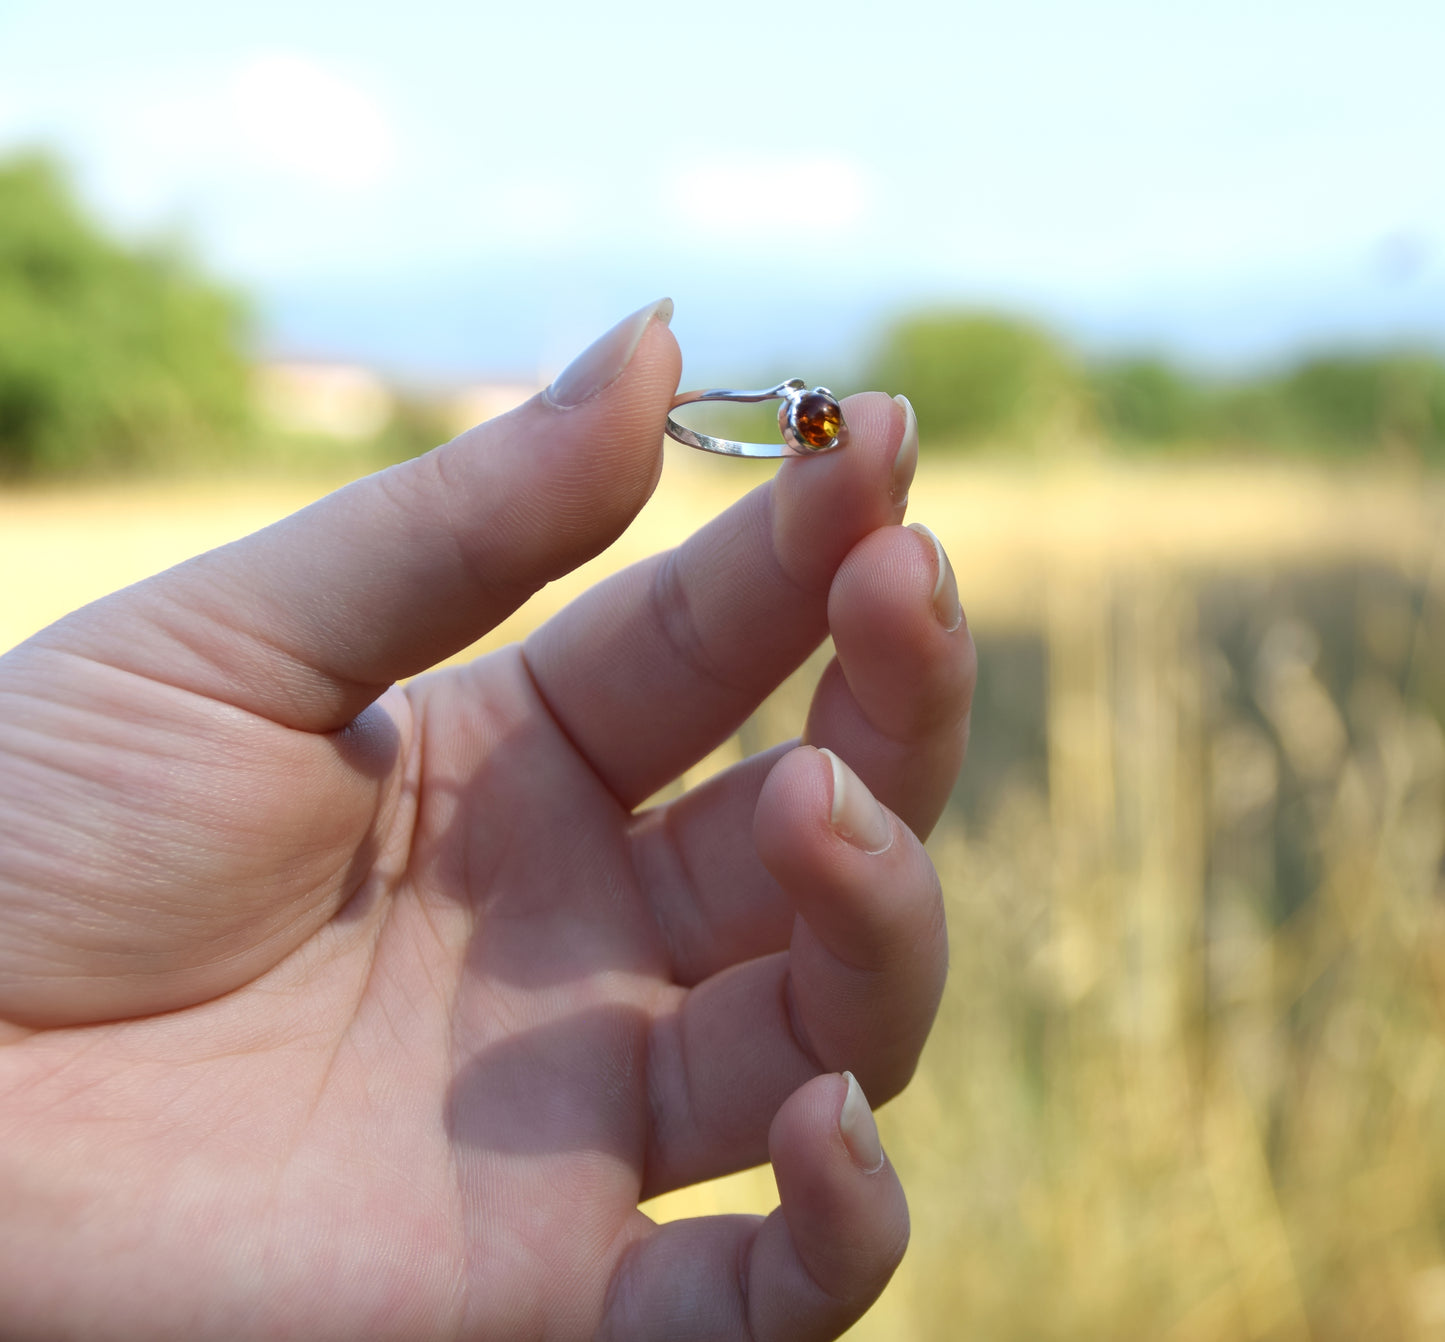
(817, 419)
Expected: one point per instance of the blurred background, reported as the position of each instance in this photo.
(1166, 284)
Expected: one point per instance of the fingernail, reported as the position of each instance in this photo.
(602, 362)
(859, 1131)
(945, 587)
(856, 815)
(906, 462)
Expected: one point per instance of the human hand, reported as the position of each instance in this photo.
(336, 1009)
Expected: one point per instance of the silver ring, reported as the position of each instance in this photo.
(810, 422)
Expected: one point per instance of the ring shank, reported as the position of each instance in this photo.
(729, 447)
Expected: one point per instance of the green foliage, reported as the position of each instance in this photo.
(110, 357)
(976, 379)
(979, 378)
(1392, 399)
(416, 426)
(1336, 405)
(1148, 400)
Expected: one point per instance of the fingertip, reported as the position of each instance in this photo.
(824, 504)
(622, 419)
(817, 827)
(859, 1128)
(808, 1271)
(900, 633)
(607, 358)
(657, 367)
(652, 380)
(814, 787)
(845, 1209)
(905, 460)
(825, 1129)
(574, 466)
(795, 795)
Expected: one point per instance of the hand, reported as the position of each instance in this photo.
(342, 1010)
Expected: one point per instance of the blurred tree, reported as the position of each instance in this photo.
(1339, 404)
(977, 377)
(110, 357)
(1148, 401)
(1392, 400)
(417, 425)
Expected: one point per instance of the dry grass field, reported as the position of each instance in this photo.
(1189, 1078)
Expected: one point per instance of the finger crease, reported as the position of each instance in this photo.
(671, 605)
(559, 726)
(655, 845)
(927, 734)
(745, 1264)
(669, 1114)
(188, 632)
(792, 1013)
(445, 492)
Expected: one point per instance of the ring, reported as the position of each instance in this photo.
(810, 422)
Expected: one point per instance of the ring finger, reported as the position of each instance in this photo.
(857, 988)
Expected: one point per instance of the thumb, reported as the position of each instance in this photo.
(309, 620)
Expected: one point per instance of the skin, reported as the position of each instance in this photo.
(333, 1009)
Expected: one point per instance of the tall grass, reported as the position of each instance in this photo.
(1188, 1079)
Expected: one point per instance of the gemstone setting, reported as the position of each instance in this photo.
(812, 421)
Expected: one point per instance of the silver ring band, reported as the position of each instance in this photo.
(809, 421)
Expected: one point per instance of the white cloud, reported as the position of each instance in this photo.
(296, 116)
(247, 135)
(276, 160)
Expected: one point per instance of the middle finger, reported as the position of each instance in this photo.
(894, 703)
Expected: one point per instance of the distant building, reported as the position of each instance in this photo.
(485, 400)
(351, 404)
(332, 400)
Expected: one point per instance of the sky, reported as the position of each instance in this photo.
(450, 190)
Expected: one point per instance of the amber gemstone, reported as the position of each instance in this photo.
(817, 419)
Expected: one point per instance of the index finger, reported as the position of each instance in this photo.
(307, 622)
(653, 668)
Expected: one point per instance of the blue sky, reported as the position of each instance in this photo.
(455, 189)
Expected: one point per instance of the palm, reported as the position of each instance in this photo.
(415, 1009)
